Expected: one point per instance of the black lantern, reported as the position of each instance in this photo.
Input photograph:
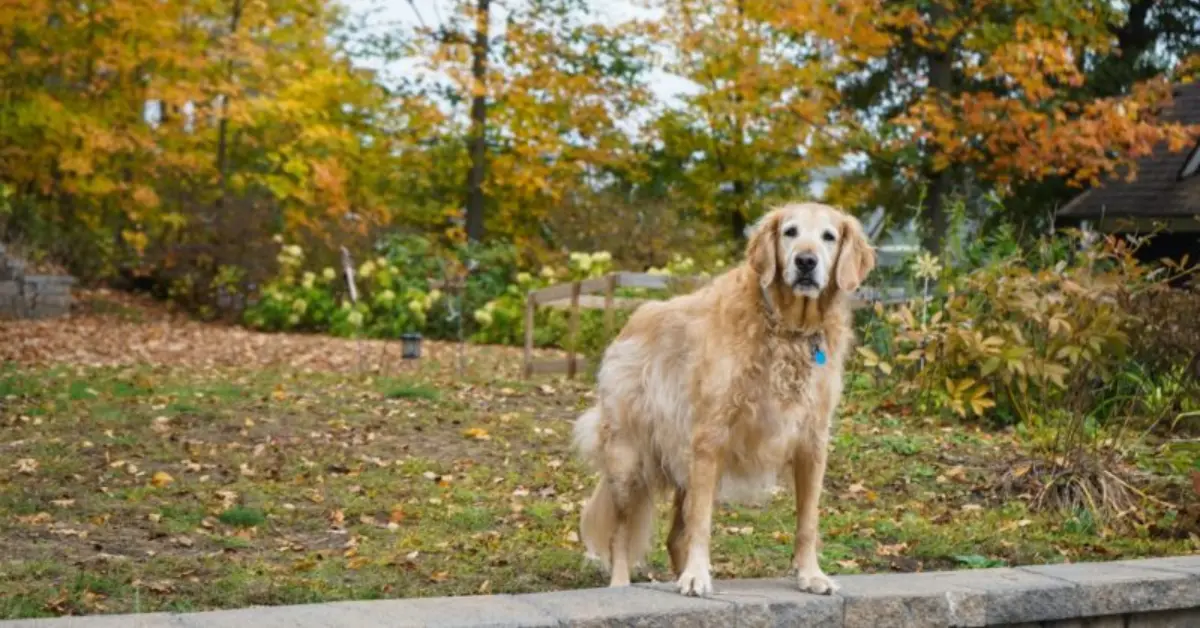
(410, 346)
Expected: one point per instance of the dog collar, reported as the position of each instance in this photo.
(774, 324)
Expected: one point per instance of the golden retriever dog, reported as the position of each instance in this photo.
(719, 392)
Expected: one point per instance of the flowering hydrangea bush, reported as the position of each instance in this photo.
(307, 300)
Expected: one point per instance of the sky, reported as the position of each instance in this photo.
(399, 14)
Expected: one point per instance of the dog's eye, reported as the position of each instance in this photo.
(829, 237)
(790, 232)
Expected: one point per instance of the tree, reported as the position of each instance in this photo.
(991, 91)
(756, 124)
(556, 88)
(478, 141)
(141, 132)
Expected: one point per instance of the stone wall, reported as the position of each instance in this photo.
(1154, 593)
(31, 296)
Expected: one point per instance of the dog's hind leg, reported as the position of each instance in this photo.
(633, 509)
(677, 539)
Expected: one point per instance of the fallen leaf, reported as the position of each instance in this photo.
(956, 473)
(891, 550)
(477, 433)
(38, 519)
(161, 424)
(26, 465)
(63, 503)
(161, 479)
(848, 564)
(440, 576)
(397, 514)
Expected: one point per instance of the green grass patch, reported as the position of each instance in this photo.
(411, 391)
(241, 517)
(358, 496)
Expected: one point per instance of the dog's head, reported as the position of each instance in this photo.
(809, 247)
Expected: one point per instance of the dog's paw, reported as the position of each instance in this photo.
(816, 582)
(696, 582)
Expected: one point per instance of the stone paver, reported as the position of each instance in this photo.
(909, 601)
(1125, 587)
(643, 607)
(495, 611)
(144, 620)
(777, 603)
(1155, 593)
(1184, 564)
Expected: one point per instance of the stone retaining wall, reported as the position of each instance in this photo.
(31, 296)
(1154, 593)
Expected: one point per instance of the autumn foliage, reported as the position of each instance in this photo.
(175, 138)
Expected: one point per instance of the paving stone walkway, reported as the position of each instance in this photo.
(1153, 593)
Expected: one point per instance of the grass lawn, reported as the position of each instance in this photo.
(149, 463)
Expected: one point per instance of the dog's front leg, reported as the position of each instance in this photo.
(808, 468)
(704, 473)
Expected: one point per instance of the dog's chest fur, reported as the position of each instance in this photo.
(778, 418)
(790, 364)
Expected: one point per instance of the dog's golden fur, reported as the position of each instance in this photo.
(719, 391)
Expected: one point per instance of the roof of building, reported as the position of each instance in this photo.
(1167, 183)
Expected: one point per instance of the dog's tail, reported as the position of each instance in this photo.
(599, 520)
(587, 437)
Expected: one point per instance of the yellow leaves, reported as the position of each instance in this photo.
(965, 396)
(872, 360)
(955, 473)
(161, 479)
(135, 239)
(476, 433)
(145, 197)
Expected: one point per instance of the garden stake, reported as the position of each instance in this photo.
(348, 273)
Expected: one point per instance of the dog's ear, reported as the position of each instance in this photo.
(856, 257)
(761, 251)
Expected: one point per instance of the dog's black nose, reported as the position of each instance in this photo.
(806, 262)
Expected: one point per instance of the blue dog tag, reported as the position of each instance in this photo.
(819, 356)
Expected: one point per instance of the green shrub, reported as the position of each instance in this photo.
(1016, 337)
(1055, 338)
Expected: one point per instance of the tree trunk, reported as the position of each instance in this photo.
(223, 123)
(737, 218)
(941, 80)
(933, 232)
(478, 137)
